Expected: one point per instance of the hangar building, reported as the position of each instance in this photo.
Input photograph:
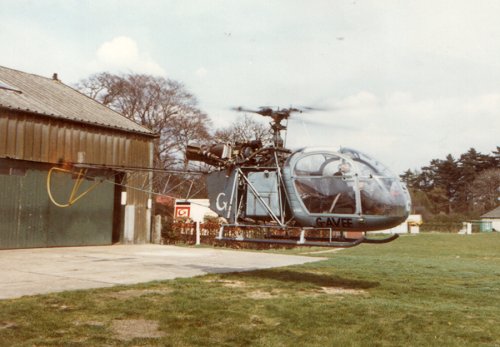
(46, 124)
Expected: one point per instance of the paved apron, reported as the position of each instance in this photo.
(45, 270)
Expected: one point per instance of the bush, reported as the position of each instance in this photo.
(448, 227)
(184, 232)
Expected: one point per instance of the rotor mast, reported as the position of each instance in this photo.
(277, 117)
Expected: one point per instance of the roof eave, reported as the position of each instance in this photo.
(96, 124)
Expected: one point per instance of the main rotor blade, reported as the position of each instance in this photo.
(322, 121)
(264, 111)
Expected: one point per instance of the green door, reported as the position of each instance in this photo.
(29, 219)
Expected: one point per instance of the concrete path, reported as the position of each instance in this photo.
(45, 270)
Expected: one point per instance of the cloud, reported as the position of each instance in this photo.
(121, 54)
(121, 51)
(201, 72)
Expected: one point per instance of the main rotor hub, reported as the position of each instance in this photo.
(277, 116)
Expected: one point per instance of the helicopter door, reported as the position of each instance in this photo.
(326, 184)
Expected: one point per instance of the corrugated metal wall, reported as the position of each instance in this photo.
(34, 138)
(42, 139)
(140, 200)
(29, 219)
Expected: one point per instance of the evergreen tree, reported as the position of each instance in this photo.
(467, 185)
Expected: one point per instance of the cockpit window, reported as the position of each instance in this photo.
(348, 182)
(367, 165)
(317, 165)
(382, 196)
(381, 193)
(325, 183)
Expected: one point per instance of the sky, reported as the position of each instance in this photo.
(404, 81)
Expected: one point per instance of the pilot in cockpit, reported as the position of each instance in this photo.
(344, 169)
(344, 200)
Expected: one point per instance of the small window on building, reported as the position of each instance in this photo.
(7, 86)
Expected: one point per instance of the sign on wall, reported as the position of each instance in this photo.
(183, 211)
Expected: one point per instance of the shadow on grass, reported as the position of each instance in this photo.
(305, 277)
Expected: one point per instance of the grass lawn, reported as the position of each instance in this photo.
(423, 290)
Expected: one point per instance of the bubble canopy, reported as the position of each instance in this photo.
(345, 182)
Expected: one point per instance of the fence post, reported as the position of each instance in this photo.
(129, 224)
(157, 230)
(198, 234)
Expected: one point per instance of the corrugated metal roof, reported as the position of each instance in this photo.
(495, 213)
(51, 98)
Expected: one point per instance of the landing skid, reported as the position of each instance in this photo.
(381, 240)
(278, 235)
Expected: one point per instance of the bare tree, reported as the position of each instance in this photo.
(245, 129)
(162, 105)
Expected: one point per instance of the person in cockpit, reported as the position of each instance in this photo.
(344, 169)
(344, 200)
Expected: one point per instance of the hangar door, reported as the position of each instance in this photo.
(29, 219)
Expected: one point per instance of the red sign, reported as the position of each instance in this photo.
(182, 211)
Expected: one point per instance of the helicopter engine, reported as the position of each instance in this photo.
(227, 155)
(216, 155)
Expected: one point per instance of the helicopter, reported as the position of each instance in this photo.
(311, 196)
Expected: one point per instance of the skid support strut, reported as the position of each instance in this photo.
(273, 234)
